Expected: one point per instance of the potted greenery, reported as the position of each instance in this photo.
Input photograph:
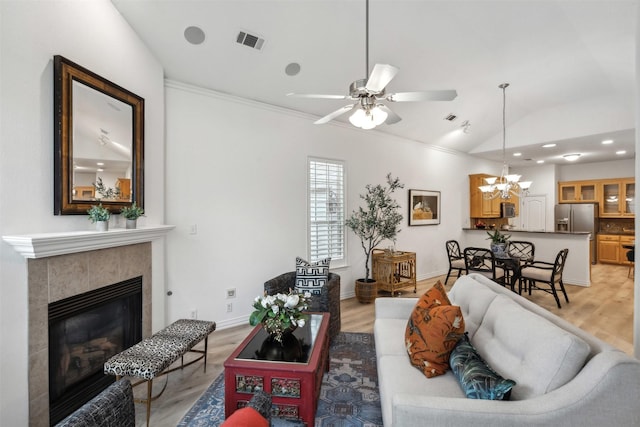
(498, 242)
(376, 221)
(100, 216)
(132, 213)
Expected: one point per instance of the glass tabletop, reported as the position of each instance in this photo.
(295, 348)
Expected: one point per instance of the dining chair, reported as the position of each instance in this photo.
(545, 272)
(483, 261)
(631, 257)
(456, 259)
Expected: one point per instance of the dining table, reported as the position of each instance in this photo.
(512, 266)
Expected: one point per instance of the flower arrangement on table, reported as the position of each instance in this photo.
(280, 313)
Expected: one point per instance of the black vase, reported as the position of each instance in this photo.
(289, 350)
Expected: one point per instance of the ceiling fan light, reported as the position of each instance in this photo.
(378, 115)
(358, 118)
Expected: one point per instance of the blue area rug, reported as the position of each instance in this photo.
(348, 396)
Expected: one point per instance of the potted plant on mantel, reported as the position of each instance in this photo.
(498, 242)
(100, 216)
(132, 213)
(375, 222)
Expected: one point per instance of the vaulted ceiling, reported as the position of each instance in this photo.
(570, 64)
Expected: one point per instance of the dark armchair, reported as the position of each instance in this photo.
(327, 301)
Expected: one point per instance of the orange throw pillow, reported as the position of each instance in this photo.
(432, 332)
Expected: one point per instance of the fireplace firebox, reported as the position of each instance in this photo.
(84, 331)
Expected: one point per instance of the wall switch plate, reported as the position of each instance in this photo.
(194, 314)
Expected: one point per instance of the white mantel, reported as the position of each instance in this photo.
(52, 244)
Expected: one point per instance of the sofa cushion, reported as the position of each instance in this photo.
(473, 298)
(311, 276)
(529, 349)
(477, 379)
(430, 335)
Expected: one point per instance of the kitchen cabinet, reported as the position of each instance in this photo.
(617, 198)
(479, 207)
(608, 248)
(578, 191)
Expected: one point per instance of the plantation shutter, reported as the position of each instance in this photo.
(326, 210)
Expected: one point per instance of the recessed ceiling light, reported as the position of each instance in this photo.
(100, 164)
(572, 157)
(539, 161)
(548, 145)
(607, 141)
(517, 154)
(621, 152)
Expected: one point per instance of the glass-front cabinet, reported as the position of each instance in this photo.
(577, 191)
(618, 198)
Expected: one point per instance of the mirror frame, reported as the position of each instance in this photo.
(65, 72)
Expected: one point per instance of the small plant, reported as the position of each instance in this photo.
(106, 192)
(498, 237)
(98, 213)
(132, 212)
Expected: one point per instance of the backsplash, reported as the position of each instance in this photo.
(617, 226)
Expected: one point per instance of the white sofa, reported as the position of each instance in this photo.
(564, 376)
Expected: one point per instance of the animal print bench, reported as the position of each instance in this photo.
(151, 357)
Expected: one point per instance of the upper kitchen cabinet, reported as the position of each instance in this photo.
(617, 198)
(578, 192)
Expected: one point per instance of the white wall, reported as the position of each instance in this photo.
(94, 35)
(237, 170)
(602, 170)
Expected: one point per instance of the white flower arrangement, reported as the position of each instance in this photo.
(281, 312)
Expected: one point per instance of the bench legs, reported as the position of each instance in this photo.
(150, 397)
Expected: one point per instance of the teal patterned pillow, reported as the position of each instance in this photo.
(477, 379)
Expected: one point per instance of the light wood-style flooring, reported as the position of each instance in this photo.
(605, 309)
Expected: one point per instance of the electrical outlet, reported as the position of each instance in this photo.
(231, 293)
(229, 307)
(194, 313)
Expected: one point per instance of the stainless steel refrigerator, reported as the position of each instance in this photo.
(579, 217)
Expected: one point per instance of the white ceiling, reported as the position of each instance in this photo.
(570, 64)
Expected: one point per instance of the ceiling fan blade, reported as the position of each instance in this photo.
(391, 116)
(314, 95)
(335, 114)
(380, 77)
(428, 95)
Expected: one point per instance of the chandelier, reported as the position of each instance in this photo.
(506, 185)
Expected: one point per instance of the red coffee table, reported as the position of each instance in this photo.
(293, 385)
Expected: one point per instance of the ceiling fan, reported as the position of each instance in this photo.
(367, 94)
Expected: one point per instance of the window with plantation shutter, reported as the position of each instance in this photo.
(326, 210)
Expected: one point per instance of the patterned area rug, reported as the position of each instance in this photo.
(348, 396)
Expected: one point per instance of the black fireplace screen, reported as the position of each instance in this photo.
(84, 331)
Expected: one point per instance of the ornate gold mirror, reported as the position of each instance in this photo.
(99, 142)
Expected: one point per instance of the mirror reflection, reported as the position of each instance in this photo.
(102, 137)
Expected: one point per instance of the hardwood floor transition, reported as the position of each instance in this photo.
(605, 309)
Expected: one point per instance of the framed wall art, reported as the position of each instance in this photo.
(424, 207)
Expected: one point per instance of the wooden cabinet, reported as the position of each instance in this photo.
(608, 248)
(577, 191)
(617, 198)
(479, 207)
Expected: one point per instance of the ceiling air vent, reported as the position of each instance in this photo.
(250, 40)
(451, 117)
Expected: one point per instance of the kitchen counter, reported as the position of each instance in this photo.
(577, 270)
(526, 231)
